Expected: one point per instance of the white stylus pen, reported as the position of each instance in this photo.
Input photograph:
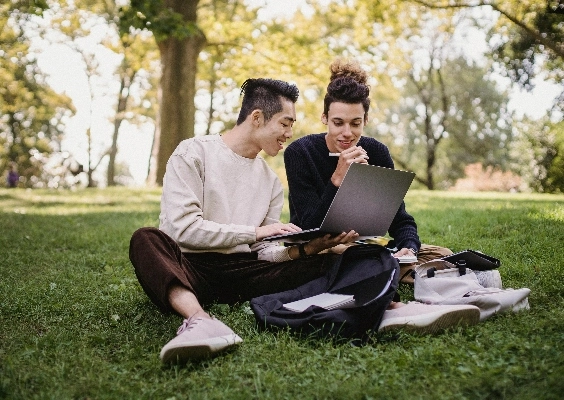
(338, 154)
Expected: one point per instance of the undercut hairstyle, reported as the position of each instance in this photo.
(265, 95)
(347, 85)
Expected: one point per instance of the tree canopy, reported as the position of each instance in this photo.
(32, 115)
(435, 108)
(527, 40)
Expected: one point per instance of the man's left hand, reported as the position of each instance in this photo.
(404, 252)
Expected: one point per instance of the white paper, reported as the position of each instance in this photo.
(329, 301)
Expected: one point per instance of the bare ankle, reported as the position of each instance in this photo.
(395, 304)
(201, 314)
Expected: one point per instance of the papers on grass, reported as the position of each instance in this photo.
(329, 301)
(383, 241)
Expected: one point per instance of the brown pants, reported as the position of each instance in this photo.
(426, 253)
(214, 277)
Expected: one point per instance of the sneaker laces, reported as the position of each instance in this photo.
(188, 324)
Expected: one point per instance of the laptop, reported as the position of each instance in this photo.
(367, 201)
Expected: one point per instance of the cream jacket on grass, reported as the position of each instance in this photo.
(213, 199)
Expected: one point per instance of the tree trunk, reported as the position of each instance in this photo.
(431, 152)
(152, 168)
(179, 59)
(89, 171)
(122, 104)
(213, 80)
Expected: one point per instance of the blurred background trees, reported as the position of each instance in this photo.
(171, 69)
(32, 115)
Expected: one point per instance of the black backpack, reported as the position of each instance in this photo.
(368, 271)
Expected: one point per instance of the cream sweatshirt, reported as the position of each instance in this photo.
(213, 199)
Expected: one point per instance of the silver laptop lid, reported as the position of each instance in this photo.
(367, 200)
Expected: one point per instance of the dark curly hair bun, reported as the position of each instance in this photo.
(340, 68)
(347, 85)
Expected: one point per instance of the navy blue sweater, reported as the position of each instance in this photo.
(309, 169)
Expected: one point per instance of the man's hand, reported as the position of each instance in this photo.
(317, 245)
(354, 154)
(403, 252)
(275, 229)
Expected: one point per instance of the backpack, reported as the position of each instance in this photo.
(367, 271)
(441, 282)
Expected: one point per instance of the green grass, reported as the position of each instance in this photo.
(75, 324)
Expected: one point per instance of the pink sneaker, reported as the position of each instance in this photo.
(198, 338)
(427, 318)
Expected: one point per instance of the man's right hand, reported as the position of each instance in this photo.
(317, 245)
(355, 154)
(275, 229)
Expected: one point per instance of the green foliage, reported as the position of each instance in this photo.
(27, 7)
(527, 39)
(156, 17)
(174, 26)
(135, 77)
(298, 49)
(227, 59)
(526, 52)
(75, 324)
(32, 115)
(237, 45)
(449, 114)
(545, 146)
(554, 182)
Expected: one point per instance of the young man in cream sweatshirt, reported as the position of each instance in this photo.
(219, 200)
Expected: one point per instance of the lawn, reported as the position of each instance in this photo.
(75, 324)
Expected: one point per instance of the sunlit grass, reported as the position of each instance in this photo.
(62, 202)
(74, 323)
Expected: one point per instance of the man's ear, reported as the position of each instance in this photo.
(257, 117)
(324, 119)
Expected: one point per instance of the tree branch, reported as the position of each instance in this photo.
(557, 49)
(405, 166)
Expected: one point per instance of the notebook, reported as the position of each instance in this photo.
(367, 201)
(328, 301)
(474, 260)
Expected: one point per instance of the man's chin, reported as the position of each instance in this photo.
(342, 147)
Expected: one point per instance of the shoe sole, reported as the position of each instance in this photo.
(197, 350)
(434, 322)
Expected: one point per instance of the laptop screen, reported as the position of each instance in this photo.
(367, 201)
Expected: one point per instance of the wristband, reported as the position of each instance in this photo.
(301, 249)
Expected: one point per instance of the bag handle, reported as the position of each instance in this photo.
(461, 265)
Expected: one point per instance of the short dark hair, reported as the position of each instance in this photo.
(346, 90)
(265, 95)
